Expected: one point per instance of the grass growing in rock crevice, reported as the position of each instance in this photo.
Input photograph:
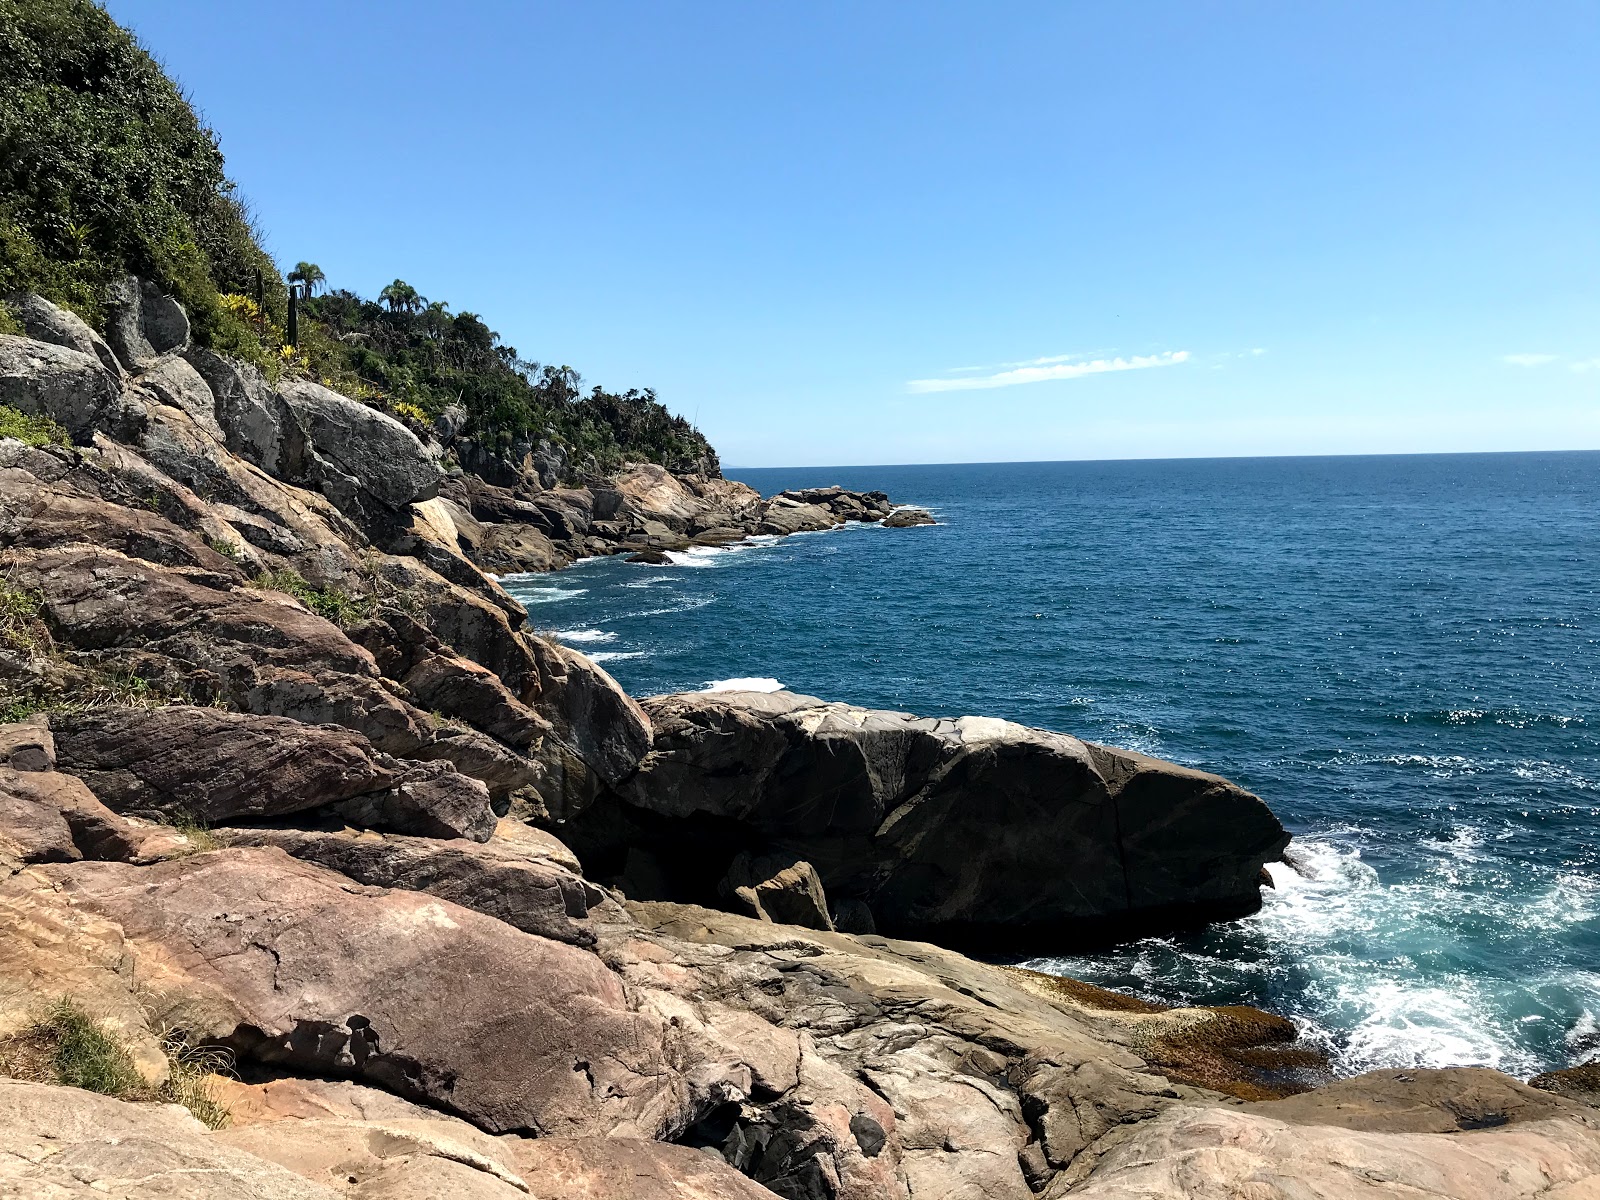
(68, 1047)
(330, 603)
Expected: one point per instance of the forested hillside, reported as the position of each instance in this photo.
(106, 170)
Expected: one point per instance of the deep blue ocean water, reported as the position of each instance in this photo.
(1400, 654)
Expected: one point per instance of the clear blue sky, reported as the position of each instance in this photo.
(1225, 228)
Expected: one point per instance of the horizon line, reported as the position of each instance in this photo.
(1020, 462)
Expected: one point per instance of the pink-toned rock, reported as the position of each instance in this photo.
(311, 972)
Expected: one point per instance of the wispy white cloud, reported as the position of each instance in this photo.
(1041, 370)
(1586, 364)
(1528, 360)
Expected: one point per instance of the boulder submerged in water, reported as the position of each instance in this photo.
(974, 831)
(908, 516)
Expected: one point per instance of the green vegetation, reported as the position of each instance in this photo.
(416, 358)
(20, 627)
(8, 321)
(106, 169)
(35, 431)
(228, 549)
(85, 1055)
(68, 1047)
(330, 603)
(195, 830)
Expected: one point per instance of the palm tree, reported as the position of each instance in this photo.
(400, 296)
(308, 274)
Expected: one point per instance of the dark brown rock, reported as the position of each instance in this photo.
(1421, 1100)
(958, 829)
(1580, 1083)
(218, 767)
(906, 517)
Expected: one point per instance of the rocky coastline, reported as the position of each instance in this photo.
(289, 790)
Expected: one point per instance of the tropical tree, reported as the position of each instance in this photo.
(308, 274)
(400, 296)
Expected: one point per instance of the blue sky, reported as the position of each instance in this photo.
(872, 233)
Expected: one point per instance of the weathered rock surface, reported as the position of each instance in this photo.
(292, 965)
(219, 767)
(498, 878)
(69, 387)
(142, 323)
(396, 1159)
(367, 463)
(779, 888)
(611, 1168)
(61, 1142)
(46, 322)
(1580, 1083)
(1220, 1154)
(970, 828)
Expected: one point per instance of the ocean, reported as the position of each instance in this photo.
(1401, 654)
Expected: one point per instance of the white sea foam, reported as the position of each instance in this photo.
(686, 606)
(744, 684)
(585, 635)
(1401, 1025)
(614, 655)
(545, 595)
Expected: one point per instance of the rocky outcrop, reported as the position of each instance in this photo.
(217, 767)
(366, 462)
(1219, 1154)
(907, 516)
(968, 829)
(46, 322)
(643, 511)
(503, 878)
(69, 387)
(65, 1142)
(314, 973)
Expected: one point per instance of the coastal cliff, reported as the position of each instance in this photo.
(289, 791)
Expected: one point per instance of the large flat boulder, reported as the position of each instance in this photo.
(1222, 1154)
(971, 828)
(294, 966)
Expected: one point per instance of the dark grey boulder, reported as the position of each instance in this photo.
(972, 830)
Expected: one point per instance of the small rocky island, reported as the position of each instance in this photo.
(324, 876)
